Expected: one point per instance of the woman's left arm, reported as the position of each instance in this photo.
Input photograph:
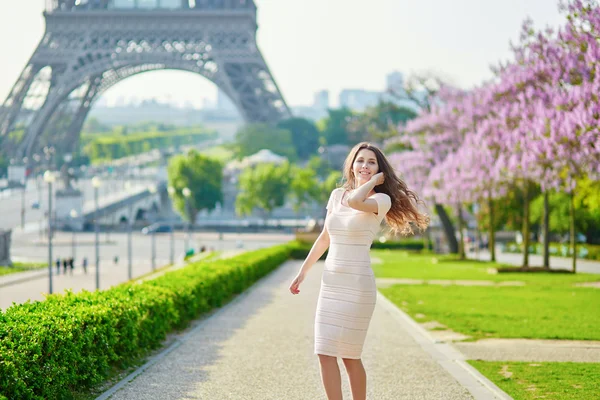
(358, 199)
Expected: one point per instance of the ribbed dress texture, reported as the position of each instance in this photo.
(348, 292)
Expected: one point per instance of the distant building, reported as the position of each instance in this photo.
(395, 81)
(321, 100)
(395, 92)
(309, 112)
(358, 99)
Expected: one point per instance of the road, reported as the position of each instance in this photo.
(27, 247)
(586, 266)
(11, 200)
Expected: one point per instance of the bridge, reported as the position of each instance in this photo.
(91, 45)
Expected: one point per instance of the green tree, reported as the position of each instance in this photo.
(264, 187)
(334, 127)
(320, 165)
(3, 165)
(327, 186)
(252, 138)
(379, 122)
(305, 135)
(202, 175)
(587, 211)
(93, 125)
(304, 187)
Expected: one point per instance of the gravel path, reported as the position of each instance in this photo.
(260, 346)
(531, 350)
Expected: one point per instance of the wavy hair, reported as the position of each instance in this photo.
(404, 211)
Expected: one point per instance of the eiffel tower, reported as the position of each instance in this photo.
(91, 45)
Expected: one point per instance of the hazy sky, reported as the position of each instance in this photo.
(312, 45)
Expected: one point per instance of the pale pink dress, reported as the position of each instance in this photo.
(348, 292)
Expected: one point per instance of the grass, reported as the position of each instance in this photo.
(549, 306)
(402, 264)
(544, 380)
(20, 267)
(539, 312)
(220, 153)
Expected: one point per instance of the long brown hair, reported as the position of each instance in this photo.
(404, 211)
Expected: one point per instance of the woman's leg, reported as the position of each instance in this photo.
(330, 374)
(357, 377)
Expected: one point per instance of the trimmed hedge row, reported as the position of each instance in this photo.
(300, 249)
(70, 342)
(116, 146)
(406, 244)
(585, 251)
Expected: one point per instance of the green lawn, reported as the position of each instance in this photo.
(20, 267)
(544, 380)
(402, 264)
(506, 312)
(549, 306)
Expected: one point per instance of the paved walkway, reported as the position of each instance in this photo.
(587, 266)
(260, 346)
(531, 350)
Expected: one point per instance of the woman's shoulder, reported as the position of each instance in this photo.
(337, 191)
(382, 195)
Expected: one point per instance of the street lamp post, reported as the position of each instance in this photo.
(171, 191)
(187, 193)
(23, 203)
(128, 188)
(96, 183)
(49, 178)
(73, 214)
(152, 189)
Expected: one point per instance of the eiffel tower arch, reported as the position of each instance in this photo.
(91, 45)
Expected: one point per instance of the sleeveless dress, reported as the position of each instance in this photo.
(348, 292)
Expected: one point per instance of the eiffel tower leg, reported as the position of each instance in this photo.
(255, 90)
(73, 133)
(16, 106)
(42, 116)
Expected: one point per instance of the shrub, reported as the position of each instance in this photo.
(50, 348)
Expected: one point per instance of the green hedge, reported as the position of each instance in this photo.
(585, 251)
(300, 249)
(407, 244)
(108, 147)
(70, 342)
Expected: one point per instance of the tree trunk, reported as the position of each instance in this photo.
(546, 231)
(525, 231)
(461, 245)
(426, 240)
(448, 228)
(572, 223)
(492, 241)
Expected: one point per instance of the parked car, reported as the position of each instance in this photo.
(35, 205)
(157, 228)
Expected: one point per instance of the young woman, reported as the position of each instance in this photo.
(371, 192)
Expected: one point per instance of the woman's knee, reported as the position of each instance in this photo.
(352, 363)
(323, 359)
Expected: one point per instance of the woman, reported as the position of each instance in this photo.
(371, 192)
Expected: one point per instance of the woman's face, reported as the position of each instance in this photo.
(365, 166)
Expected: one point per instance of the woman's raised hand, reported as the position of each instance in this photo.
(295, 286)
(379, 178)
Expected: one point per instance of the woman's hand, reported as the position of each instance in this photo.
(295, 286)
(379, 178)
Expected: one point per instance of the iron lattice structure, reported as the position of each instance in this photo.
(91, 45)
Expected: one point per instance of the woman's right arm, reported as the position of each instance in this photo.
(317, 250)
